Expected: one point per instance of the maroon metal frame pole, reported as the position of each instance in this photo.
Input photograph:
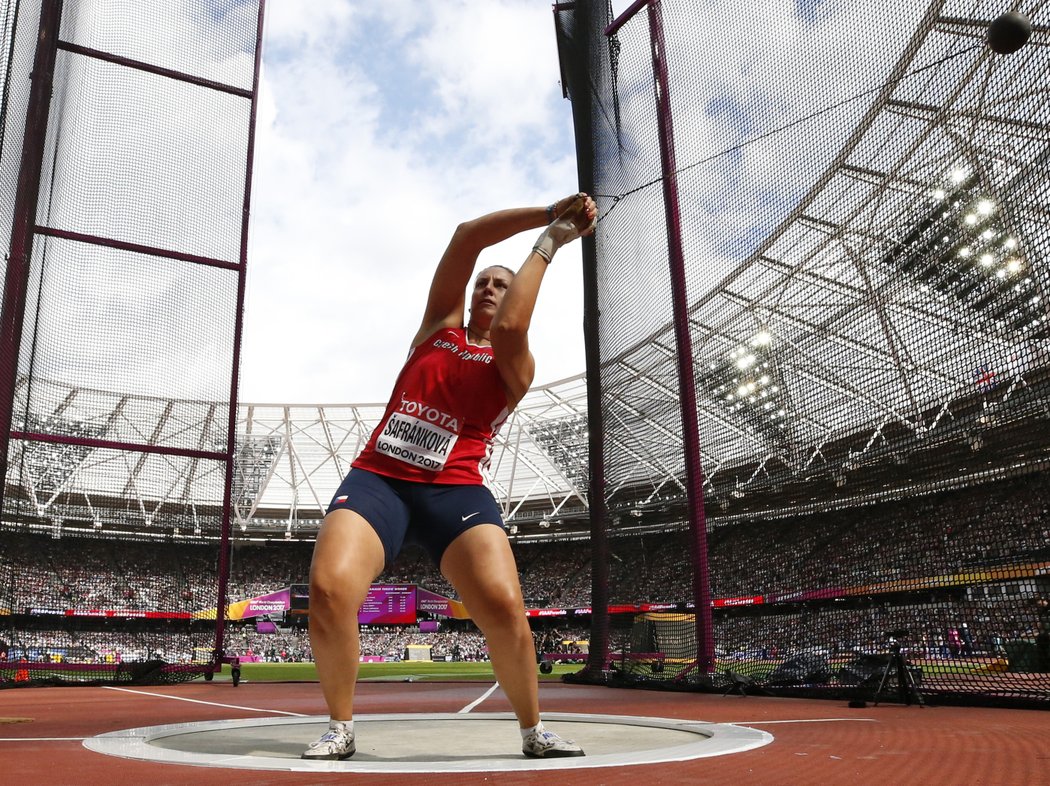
(16, 280)
(17, 273)
(705, 642)
(231, 444)
(625, 17)
(109, 444)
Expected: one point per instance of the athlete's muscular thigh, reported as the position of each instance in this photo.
(348, 556)
(481, 566)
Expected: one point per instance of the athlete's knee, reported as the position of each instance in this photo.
(503, 606)
(333, 592)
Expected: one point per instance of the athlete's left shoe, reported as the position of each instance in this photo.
(335, 744)
(548, 745)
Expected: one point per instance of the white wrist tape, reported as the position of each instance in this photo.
(564, 229)
(545, 245)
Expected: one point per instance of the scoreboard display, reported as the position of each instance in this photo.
(386, 604)
(389, 604)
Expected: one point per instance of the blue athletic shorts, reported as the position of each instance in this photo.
(430, 514)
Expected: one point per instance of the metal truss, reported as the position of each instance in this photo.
(290, 459)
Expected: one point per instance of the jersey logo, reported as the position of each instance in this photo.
(472, 515)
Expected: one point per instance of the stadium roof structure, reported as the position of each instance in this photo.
(290, 458)
(293, 458)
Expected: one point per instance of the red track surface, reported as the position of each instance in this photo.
(897, 745)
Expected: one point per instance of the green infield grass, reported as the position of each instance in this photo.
(405, 671)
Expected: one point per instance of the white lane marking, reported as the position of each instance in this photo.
(39, 739)
(478, 701)
(209, 703)
(802, 720)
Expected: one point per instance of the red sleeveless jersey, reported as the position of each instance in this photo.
(447, 406)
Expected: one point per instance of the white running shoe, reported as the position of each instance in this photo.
(335, 744)
(548, 745)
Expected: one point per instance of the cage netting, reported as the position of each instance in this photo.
(122, 328)
(861, 201)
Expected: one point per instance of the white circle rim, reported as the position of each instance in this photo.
(713, 739)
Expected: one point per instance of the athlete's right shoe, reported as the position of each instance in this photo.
(548, 745)
(335, 744)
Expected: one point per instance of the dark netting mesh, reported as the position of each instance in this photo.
(860, 193)
(124, 377)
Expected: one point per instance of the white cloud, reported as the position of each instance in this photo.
(306, 26)
(358, 189)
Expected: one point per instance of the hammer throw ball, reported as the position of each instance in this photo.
(1009, 32)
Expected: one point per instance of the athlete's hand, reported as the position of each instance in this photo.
(577, 218)
(581, 211)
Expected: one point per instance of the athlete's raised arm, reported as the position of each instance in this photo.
(446, 302)
(509, 332)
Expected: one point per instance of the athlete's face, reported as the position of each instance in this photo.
(489, 288)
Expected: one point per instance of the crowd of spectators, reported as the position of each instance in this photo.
(991, 532)
(97, 573)
(992, 527)
(109, 646)
(936, 630)
(460, 643)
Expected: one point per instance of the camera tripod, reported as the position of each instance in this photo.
(907, 690)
